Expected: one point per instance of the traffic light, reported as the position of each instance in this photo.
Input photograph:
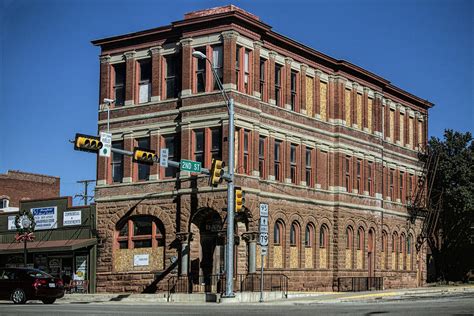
(216, 172)
(87, 143)
(239, 199)
(145, 156)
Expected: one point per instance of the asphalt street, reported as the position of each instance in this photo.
(452, 304)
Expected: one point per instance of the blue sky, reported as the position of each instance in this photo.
(49, 70)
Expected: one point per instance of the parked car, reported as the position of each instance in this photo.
(22, 284)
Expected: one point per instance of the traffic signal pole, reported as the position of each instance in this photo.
(229, 289)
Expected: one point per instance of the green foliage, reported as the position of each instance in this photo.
(454, 182)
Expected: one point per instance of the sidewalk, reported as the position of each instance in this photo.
(338, 297)
(293, 297)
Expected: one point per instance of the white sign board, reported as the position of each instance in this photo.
(45, 217)
(141, 260)
(264, 250)
(72, 218)
(11, 223)
(106, 139)
(263, 239)
(164, 157)
(263, 210)
(264, 224)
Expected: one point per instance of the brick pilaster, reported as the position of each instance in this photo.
(331, 97)
(365, 109)
(229, 47)
(271, 77)
(156, 72)
(130, 77)
(128, 144)
(354, 104)
(257, 45)
(397, 124)
(302, 92)
(155, 144)
(105, 84)
(186, 66)
(317, 93)
(254, 149)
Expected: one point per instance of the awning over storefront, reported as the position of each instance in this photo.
(46, 246)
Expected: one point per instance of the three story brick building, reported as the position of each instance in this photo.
(331, 147)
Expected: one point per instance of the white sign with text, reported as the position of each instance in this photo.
(72, 218)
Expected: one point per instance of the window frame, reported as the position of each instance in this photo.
(119, 99)
(262, 154)
(157, 236)
(142, 82)
(278, 84)
(117, 161)
(293, 90)
(142, 170)
(171, 77)
(277, 148)
(293, 163)
(308, 167)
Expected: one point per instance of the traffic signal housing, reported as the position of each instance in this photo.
(239, 198)
(144, 156)
(87, 143)
(216, 172)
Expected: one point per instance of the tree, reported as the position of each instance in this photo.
(452, 247)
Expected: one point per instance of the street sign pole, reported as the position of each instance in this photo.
(263, 242)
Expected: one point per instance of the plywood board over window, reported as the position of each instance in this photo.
(410, 132)
(309, 96)
(323, 92)
(347, 97)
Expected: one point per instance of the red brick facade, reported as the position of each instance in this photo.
(313, 140)
(17, 185)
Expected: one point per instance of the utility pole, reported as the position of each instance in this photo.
(85, 197)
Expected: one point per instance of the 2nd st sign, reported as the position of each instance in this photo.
(190, 165)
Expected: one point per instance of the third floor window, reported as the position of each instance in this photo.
(119, 84)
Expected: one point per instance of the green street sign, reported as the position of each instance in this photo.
(189, 165)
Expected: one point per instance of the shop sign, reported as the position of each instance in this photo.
(72, 218)
(11, 223)
(45, 217)
(141, 260)
(81, 268)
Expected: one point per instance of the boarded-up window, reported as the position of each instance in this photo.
(402, 129)
(369, 114)
(420, 133)
(309, 96)
(410, 132)
(347, 97)
(392, 125)
(359, 110)
(323, 92)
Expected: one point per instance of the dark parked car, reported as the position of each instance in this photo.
(22, 284)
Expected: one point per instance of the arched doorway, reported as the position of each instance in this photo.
(207, 246)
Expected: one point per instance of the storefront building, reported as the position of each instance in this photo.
(64, 243)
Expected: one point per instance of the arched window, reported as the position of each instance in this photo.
(394, 251)
(384, 249)
(294, 230)
(409, 252)
(309, 235)
(349, 237)
(360, 238)
(277, 233)
(403, 252)
(323, 237)
(141, 232)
